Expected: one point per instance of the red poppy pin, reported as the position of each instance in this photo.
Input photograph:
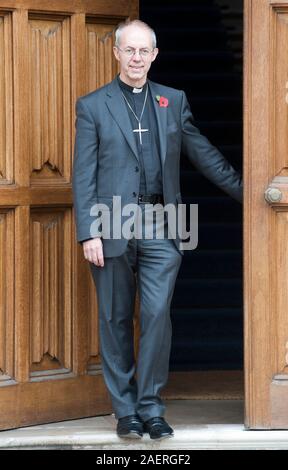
(163, 102)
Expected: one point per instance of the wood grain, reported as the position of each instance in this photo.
(265, 224)
(51, 52)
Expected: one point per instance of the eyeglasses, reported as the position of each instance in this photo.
(130, 51)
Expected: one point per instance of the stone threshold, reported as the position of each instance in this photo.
(198, 425)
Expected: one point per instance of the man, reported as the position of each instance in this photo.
(129, 136)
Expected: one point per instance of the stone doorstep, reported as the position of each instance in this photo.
(189, 438)
(198, 424)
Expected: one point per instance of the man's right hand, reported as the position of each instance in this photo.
(93, 251)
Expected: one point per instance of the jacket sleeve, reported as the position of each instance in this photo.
(207, 158)
(84, 175)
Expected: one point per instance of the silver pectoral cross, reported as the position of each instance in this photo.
(140, 130)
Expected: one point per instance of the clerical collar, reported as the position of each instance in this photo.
(127, 87)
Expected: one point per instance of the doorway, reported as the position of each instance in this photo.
(201, 46)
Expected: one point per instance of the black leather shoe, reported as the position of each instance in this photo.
(158, 428)
(130, 426)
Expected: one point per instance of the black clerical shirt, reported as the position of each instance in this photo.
(148, 152)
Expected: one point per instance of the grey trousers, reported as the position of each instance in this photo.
(151, 265)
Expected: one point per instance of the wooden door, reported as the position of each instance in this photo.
(266, 213)
(51, 52)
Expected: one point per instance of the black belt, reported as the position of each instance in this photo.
(151, 198)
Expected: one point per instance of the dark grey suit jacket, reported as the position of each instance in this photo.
(105, 155)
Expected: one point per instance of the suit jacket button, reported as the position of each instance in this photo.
(136, 169)
(134, 194)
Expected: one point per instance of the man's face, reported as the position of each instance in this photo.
(134, 69)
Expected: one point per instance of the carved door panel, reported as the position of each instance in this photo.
(266, 213)
(51, 52)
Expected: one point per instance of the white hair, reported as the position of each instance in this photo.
(139, 23)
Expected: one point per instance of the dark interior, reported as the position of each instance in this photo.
(200, 44)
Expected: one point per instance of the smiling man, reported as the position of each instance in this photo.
(129, 136)
(135, 61)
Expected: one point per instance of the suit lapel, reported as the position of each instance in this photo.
(118, 109)
(161, 117)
